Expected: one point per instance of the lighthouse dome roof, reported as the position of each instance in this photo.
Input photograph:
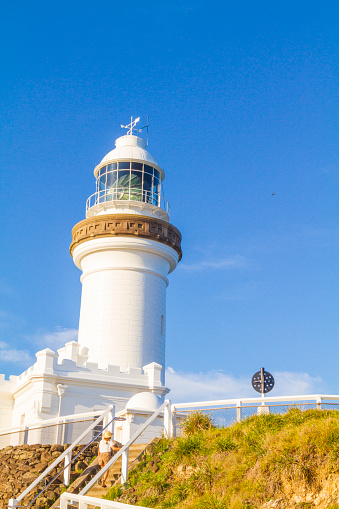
(129, 147)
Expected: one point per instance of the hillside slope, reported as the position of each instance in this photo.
(267, 461)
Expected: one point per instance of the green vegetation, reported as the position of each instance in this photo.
(240, 467)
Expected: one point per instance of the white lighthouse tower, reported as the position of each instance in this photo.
(126, 248)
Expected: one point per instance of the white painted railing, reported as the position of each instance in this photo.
(66, 456)
(234, 410)
(59, 423)
(123, 452)
(171, 414)
(83, 502)
(127, 194)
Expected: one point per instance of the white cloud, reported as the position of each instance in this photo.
(232, 262)
(8, 354)
(186, 387)
(57, 338)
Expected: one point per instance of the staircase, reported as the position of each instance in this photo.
(134, 451)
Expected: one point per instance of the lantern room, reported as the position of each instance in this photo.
(129, 180)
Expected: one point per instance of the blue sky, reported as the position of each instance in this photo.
(242, 98)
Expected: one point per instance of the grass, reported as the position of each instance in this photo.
(240, 467)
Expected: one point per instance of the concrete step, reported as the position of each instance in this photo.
(115, 471)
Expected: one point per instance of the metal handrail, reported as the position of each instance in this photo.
(247, 406)
(69, 464)
(14, 502)
(48, 423)
(127, 194)
(267, 399)
(68, 499)
(124, 449)
(26, 428)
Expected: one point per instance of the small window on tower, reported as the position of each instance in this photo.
(162, 325)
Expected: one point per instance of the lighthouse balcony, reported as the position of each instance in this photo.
(129, 199)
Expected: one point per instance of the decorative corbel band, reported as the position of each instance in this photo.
(126, 225)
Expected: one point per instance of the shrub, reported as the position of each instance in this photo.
(225, 444)
(185, 446)
(195, 422)
(113, 493)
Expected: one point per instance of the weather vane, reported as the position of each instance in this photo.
(131, 126)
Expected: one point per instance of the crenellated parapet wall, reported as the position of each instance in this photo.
(66, 383)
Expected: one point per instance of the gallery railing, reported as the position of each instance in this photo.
(127, 194)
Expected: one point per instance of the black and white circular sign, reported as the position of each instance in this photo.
(262, 381)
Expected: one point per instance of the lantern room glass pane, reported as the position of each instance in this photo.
(124, 166)
(156, 188)
(148, 169)
(102, 170)
(111, 184)
(136, 166)
(102, 182)
(136, 185)
(123, 184)
(148, 187)
(112, 167)
(111, 178)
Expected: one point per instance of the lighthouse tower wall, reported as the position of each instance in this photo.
(123, 303)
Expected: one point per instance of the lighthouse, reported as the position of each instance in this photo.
(125, 248)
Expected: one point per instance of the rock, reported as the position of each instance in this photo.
(17, 484)
(57, 447)
(39, 467)
(29, 477)
(80, 466)
(8, 448)
(50, 495)
(41, 502)
(23, 468)
(26, 455)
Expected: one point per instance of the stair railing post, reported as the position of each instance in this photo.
(124, 466)
(126, 435)
(174, 422)
(26, 428)
(168, 419)
(239, 411)
(67, 471)
(12, 503)
(109, 418)
(63, 431)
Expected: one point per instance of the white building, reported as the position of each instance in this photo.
(125, 249)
